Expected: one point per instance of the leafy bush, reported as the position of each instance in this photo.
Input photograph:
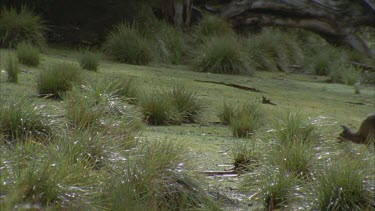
(158, 110)
(12, 69)
(154, 179)
(89, 61)
(58, 78)
(126, 44)
(344, 185)
(23, 25)
(187, 102)
(21, 119)
(28, 54)
(222, 55)
(212, 25)
(293, 127)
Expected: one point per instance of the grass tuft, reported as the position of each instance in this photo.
(18, 26)
(28, 54)
(246, 155)
(126, 44)
(222, 55)
(89, 61)
(58, 78)
(211, 26)
(12, 69)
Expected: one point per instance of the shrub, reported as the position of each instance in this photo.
(89, 61)
(157, 110)
(12, 69)
(23, 25)
(344, 185)
(276, 188)
(222, 55)
(212, 25)
(21, 119)
(126, 44)
(28, 54)
(154, 179)
(293, 127)
(246, 155)
(58, 78)
(186, 101)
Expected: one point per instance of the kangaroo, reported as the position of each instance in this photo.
(366, 130)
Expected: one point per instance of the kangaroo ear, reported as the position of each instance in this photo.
(344, 127)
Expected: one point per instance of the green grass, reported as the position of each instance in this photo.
(222, 55)
(345, 185)
(22, 25)
(12, 68)
(125, 44)
(21, 119)
(129, 89)
(89, 61)
(58, 78)
(348, 75)
(246, 155)
(211, 26)
(27, 54)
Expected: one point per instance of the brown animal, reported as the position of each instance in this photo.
(365, 132)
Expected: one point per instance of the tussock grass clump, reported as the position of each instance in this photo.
(49, 176)
(168, 42)
(154, 179)
(274, 188)
(212, 25)
(157, 109)
(89, 60)
(187, 102)
(23, 25)
(222, 55)
(294, 157)
(294, 127)
(97, 107)
(273, 49)
(243, 119)
(348, 75)
(246, 155)
(345, 185)
(126, 44)
(12, 69)
(21, 119)
(58, 78)
(128, 89)
(28, 54)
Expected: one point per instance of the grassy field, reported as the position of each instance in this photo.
(209, 144)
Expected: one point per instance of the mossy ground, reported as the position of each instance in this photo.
(208, 142)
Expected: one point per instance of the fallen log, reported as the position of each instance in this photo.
(267, 101)
(238, 86)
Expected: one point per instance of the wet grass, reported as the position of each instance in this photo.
(207, 144)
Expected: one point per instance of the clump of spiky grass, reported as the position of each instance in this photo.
(275, 188)
(58, 78)
(154, 178)
(12, 69)
(126, 44)
(326, 60)
(89, 60)
(20, 119)
(187, 102)
(23, 25)
(294, 157)
(294, 127)
(97, 107)
(243, 119)
(212, 26)
(222, 55)
(128, 89)
(345, 185)
(348, 75)
(246, 155)
(50, 176)
(28, 54)
(157, 109)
